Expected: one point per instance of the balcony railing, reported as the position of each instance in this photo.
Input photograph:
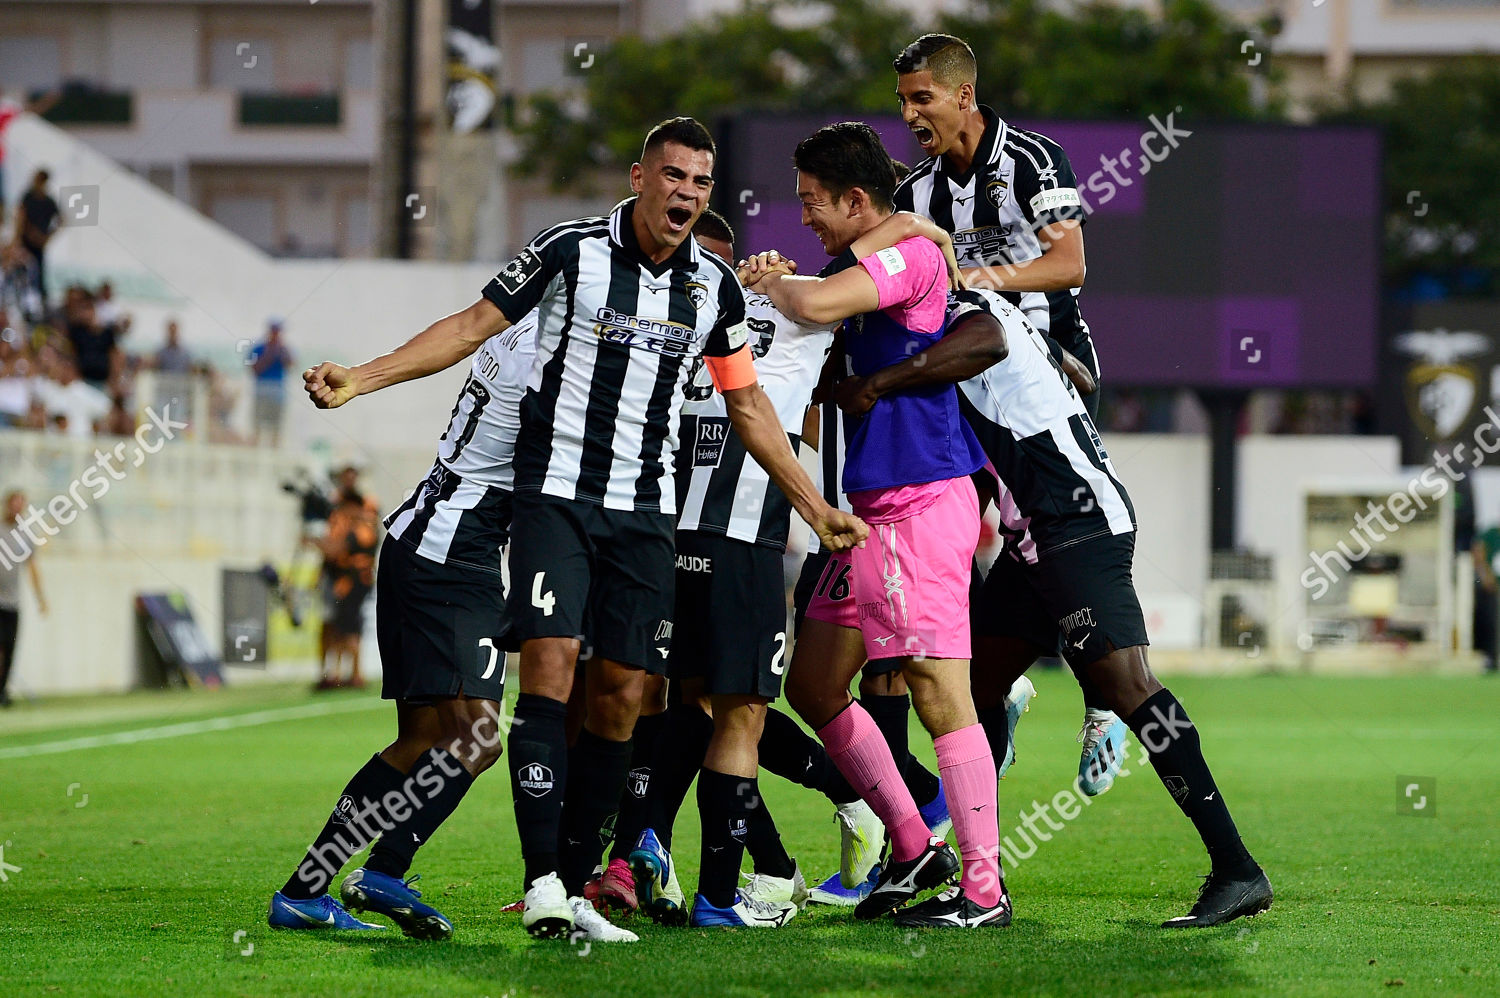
(315, 110)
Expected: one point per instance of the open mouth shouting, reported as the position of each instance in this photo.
(925, 138)
(678, 218)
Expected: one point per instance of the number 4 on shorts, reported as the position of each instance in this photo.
(542, 601)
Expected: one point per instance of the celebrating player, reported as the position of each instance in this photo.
(626, 304)
(906, 471)
(439, 620)
(1011, 201)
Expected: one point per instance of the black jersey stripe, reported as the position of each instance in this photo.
(439, 487)
(611, 365)
(539, 407)
(659, 413)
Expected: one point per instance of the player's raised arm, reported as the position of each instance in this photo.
(436, 348)
(821, 300)
(905, 225)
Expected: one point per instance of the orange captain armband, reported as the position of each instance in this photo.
(735, 371)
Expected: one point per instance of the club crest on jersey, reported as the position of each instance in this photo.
(996, 190)
(698, 292)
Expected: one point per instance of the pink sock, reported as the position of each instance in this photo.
(968, 771)
(860, 752)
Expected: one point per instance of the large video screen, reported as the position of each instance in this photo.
(1241, 257)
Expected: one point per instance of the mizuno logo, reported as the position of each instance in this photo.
(1079, 643)
(1211, 796)
(962, 200)
(663, 650)
(881, 641)
(979, 808)
(875, 787)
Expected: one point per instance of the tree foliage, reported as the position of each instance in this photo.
(1442, 160)
(1095, 60)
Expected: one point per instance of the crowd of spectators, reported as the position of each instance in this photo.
(72, 364)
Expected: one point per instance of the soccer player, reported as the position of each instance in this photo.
(1070, 562)
(1011, 201)
(906, 471)
(730, 641)
(439, 623)
(626, 304)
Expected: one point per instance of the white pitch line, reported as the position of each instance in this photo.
(189, 728)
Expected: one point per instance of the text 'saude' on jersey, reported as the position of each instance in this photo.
(460, 513)
(1019, 183)
(1057, 484)
(720, 487)
(616, 337)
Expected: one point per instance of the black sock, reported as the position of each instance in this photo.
(634, 802)
(764, 844)
(680, 747)
(891, 715)
(538, 749)
(1172, 742)
(725, 805)
(348, 829)
(996, 730)
(921, 781)
(438, 782)
(597, 768)
(793, 754)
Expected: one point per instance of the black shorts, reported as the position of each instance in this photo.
(811, 581)
(441, 628)
(579, 569)
(1082, 594)
(731, 615)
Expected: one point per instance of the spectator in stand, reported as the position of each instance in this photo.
(221, 400)
(36, 222)
(349, 571)
(270, 360)
(13, 552)
(96, 346)
(18, 286)
(15, 368)
(119, 421)
(81, 406)
(107, 310)
(173, 365)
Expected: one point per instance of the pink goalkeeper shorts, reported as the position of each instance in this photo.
(907, 589)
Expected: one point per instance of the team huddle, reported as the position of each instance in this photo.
(628, 435)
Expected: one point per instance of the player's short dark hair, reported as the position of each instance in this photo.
(712, 225)
(947, 57)
(847, 155)
(683, 131)
(901, 169)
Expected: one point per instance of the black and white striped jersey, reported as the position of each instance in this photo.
(722, 490)
(829, 476)
(616, 337)
(1058, 486)
(460, 513)
(1019, 183)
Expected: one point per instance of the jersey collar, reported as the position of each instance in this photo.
(622, 234)
(987, 154)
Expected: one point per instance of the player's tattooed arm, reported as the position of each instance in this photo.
(906, 225)
(436, 348)
(972, 344)
(755, 422)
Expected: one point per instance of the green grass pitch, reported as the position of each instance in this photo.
(145, 868)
